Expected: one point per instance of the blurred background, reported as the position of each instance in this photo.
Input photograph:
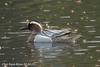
(81, 15)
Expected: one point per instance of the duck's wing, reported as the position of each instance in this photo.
(50, 33)
(61, 33)
(66, 36)
(55, 33)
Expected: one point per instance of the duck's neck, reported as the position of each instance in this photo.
(37, 32)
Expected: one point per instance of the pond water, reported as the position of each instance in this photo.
(81, 15)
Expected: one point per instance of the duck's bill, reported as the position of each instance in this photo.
(24, 28)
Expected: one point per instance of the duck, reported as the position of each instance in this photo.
(40, 35)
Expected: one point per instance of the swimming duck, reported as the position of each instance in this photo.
(39, 35)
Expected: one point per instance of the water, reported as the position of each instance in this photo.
(82, 15)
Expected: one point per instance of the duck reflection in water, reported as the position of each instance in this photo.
(52, 51)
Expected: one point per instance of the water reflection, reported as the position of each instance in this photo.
(48, 53)
(52, 50)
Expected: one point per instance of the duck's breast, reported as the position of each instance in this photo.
(41, 38)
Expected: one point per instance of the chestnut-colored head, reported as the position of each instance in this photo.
(35, 26)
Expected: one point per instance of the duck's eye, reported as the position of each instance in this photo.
(31, 27)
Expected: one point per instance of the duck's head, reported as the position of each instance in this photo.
(34, 26)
